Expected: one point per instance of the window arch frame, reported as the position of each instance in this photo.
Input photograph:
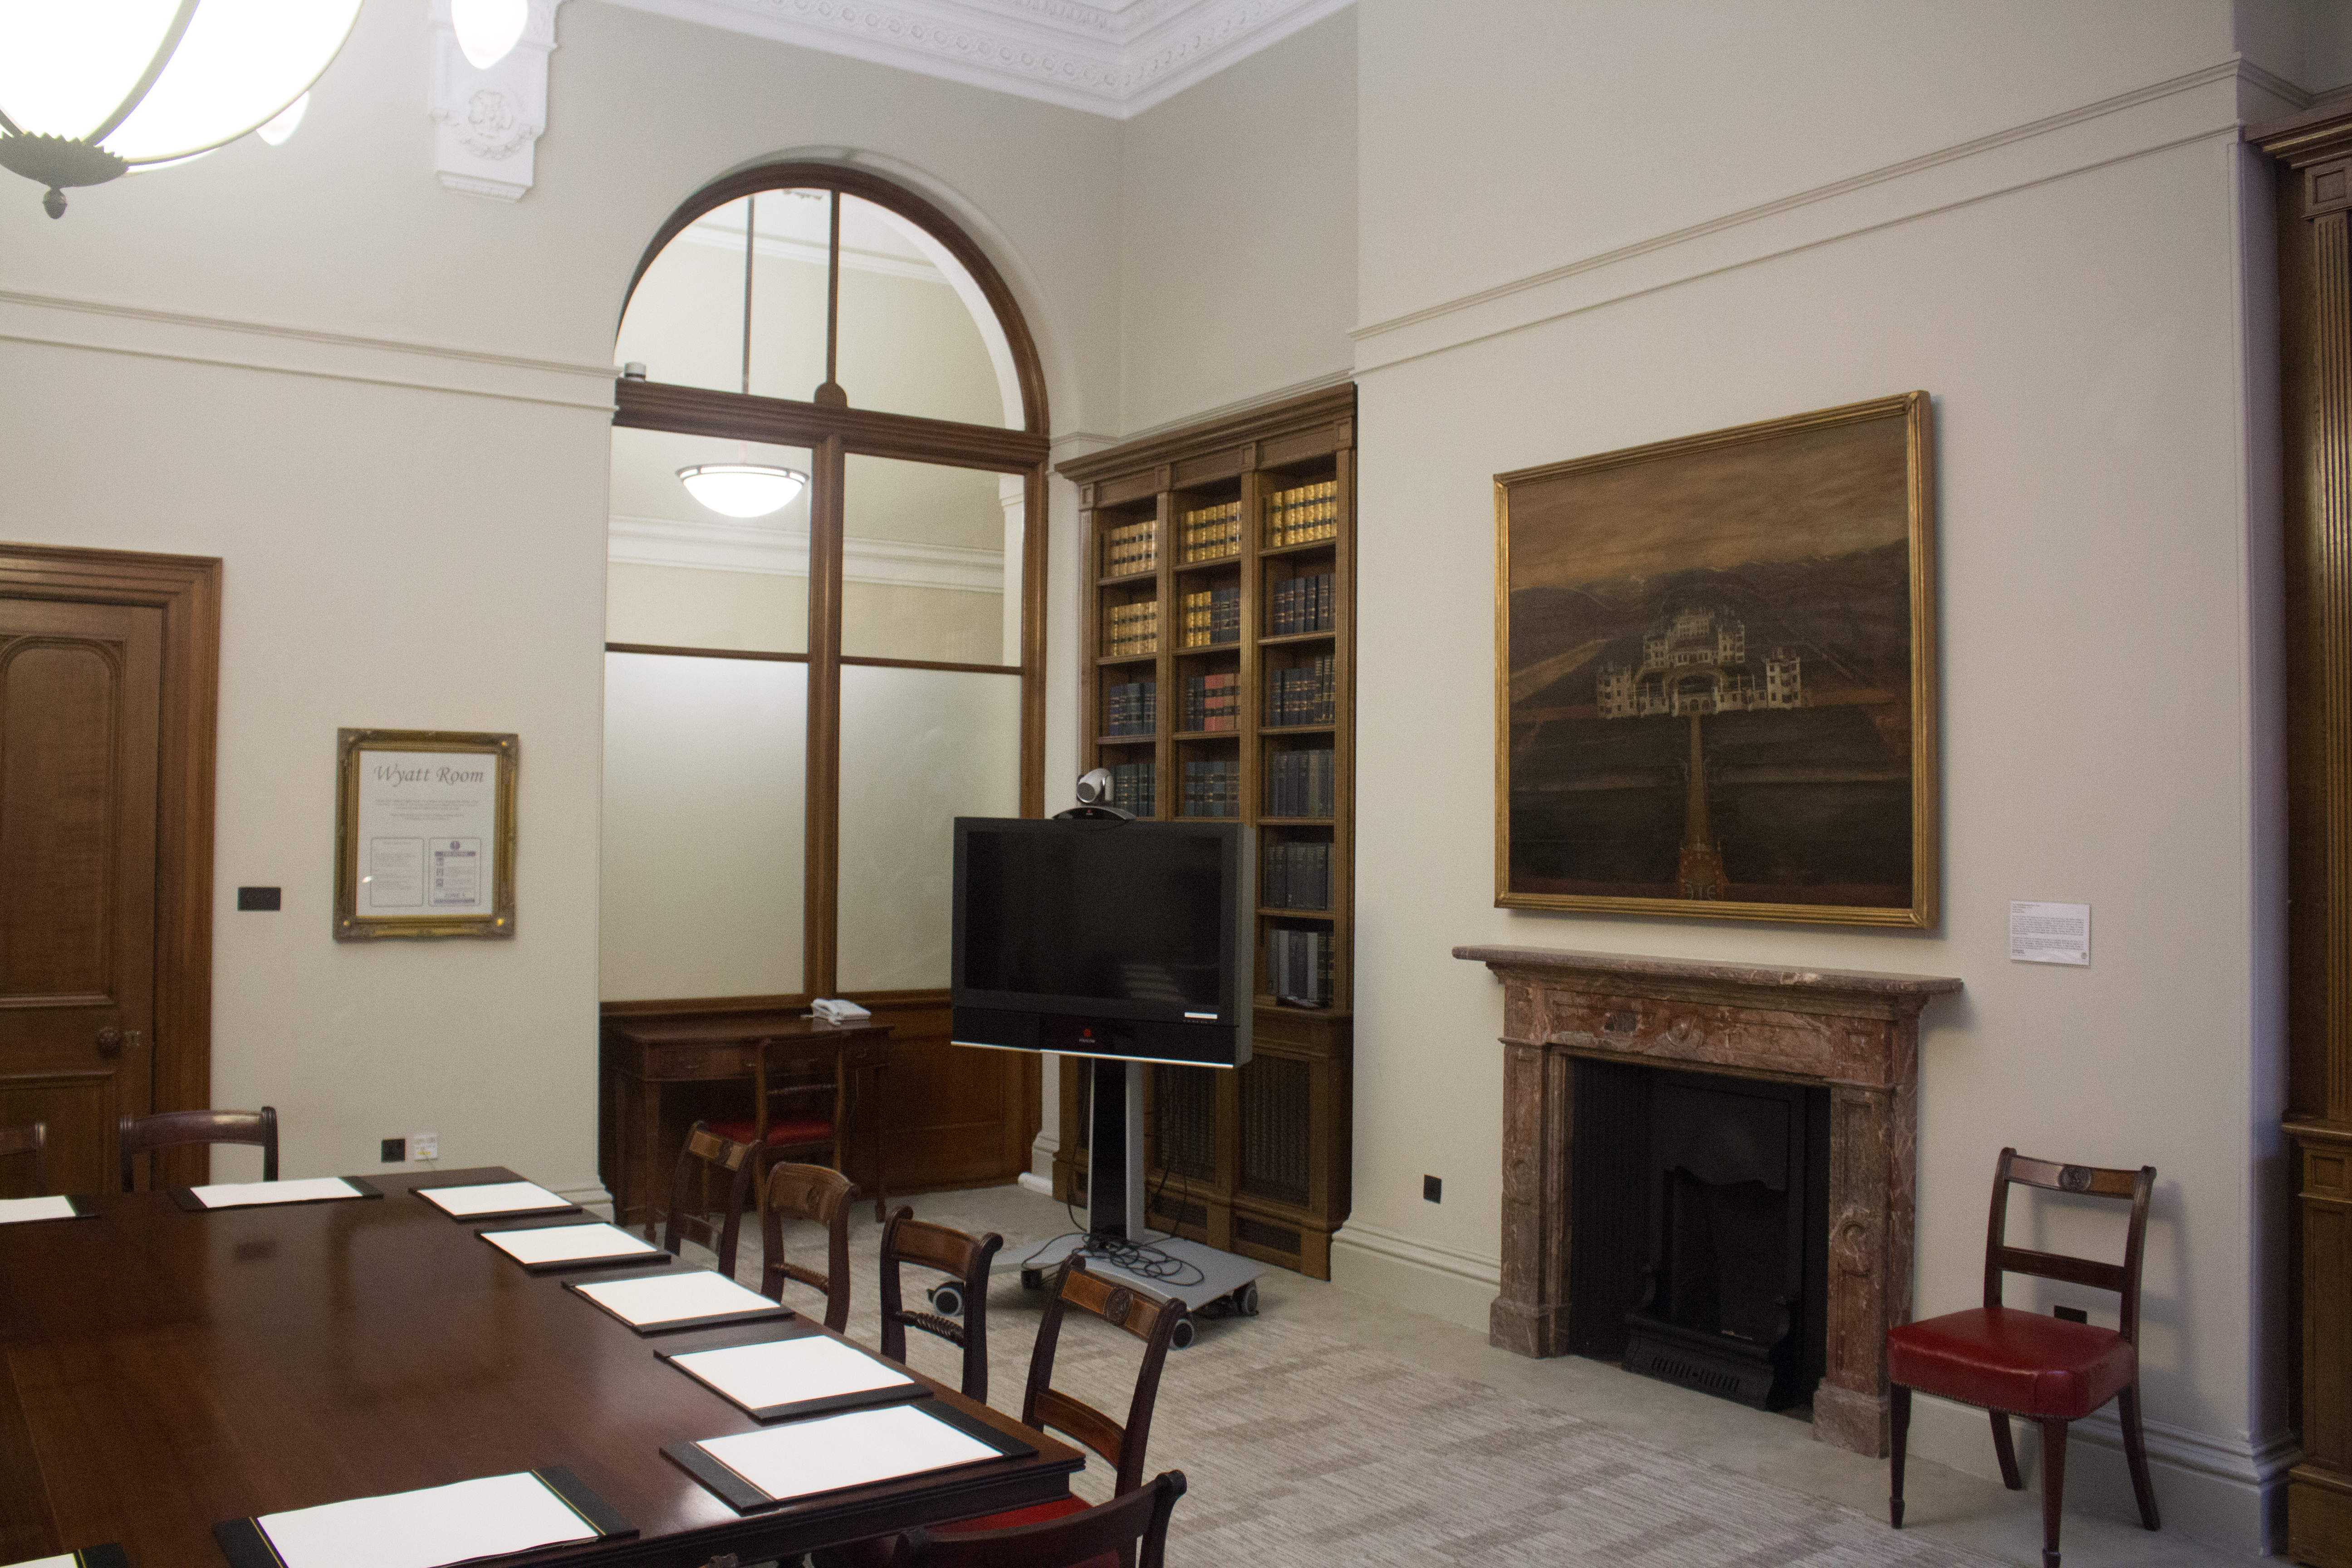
(831, 433)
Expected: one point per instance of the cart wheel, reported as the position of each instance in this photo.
(1181, 1337)
(1246, 1300)
(948, 1298)
(1033, 1279)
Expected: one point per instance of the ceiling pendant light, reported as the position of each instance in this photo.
(487, 30)
(279, 130)
(88, 92)
(744, 489)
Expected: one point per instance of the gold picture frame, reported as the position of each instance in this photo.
(422, 816)
(1715, 675)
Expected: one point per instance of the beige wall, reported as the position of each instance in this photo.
(1551, 265)
(1237, 254)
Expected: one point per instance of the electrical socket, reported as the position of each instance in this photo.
(424, 1146)
(395, 1151)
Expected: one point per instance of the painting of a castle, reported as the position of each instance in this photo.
(1712, 675)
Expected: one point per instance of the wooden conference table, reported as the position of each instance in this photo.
(163, 1371)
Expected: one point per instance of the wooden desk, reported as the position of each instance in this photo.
(640, 1056)
(160, 1372)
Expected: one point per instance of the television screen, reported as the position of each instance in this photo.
(1136, 931)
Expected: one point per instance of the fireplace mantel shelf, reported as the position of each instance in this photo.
(1854, 1033)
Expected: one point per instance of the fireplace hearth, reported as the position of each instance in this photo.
(1851, 1038)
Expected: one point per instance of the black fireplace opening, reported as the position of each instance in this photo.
(1698, 1212)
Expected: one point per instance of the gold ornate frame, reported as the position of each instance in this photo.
(1923, 910)
(353, 926)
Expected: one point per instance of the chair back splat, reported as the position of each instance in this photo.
(965, 1259)
(31, 1141)
(704, 1154)
(2010, 1361)
(823, 1197)
(1151, 1318)
(2089, 1179)
(1108, 1533)
(137, 1134)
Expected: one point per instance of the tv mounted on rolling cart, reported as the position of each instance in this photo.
(1121, 942)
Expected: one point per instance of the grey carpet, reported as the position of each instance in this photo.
(1303, 1451)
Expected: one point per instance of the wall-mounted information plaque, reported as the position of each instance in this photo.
(425, 834)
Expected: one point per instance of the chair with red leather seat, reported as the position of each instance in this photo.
(2015, 1363)
(1085, 1536)
(798, 1103)
(965, 1260)
(823, 1197)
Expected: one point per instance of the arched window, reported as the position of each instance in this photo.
(810, 673)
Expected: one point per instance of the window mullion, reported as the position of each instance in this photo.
(821, 917)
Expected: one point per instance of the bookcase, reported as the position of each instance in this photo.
(1219, 681)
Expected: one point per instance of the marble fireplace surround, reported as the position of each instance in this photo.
(1855, 1033)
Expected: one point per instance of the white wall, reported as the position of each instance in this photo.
(1565, 248)
(385, 406)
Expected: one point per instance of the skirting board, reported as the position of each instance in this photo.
(2219, 1491)
(1419, 1276)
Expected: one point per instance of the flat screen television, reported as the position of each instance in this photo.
(1104, 938)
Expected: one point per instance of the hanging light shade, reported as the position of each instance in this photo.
(743, 490)
(90, 92)
(487, 30)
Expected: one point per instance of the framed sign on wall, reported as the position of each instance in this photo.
(1715, 675)
(425, 834)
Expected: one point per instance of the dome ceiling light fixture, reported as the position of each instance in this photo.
(744, 489)
(88, 93)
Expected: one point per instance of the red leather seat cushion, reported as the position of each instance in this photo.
(789, 1130)
(2003, 1359)
(1036, 1514)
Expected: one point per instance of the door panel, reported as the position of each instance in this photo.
(80, 689)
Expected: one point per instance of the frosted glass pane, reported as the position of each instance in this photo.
(930, 562)
(705, 781)
(685, 322)
(917, 334)
(918, 749)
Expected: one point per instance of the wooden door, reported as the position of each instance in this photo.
(80, 700)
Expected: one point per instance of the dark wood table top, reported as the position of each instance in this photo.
(716, 1029)
(163, 1371)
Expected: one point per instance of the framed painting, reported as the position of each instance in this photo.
(1715, 675)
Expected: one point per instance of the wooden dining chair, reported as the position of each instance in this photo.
(1134, 1523)
(704, 1157)
(136, 1133)
(30, 1142)
(799, 1104)
(962, 1319)
(2048, 1370)
(823, 1197)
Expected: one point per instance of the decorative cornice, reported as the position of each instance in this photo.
(715, 546)
(1114, 60)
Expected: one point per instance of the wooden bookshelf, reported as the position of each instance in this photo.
(1258, 1161)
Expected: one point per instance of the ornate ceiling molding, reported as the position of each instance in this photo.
(1116, 58)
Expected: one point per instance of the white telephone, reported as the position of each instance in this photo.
(834, 1010)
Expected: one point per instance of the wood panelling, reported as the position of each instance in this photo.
(2313, 183)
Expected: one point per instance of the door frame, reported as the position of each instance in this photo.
(187, 589)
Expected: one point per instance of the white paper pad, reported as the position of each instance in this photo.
(487, 1518)
(64, 1562)
(674, 1297)
(566, 1243)
(16, 1211)
(854, 1450)
(246, 1194)
(786, 1372)
(494, 1197)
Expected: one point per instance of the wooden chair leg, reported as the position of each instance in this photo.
(1898, 1432)
(2005, 1449)
(2053, 1487)
(2136, 1456)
